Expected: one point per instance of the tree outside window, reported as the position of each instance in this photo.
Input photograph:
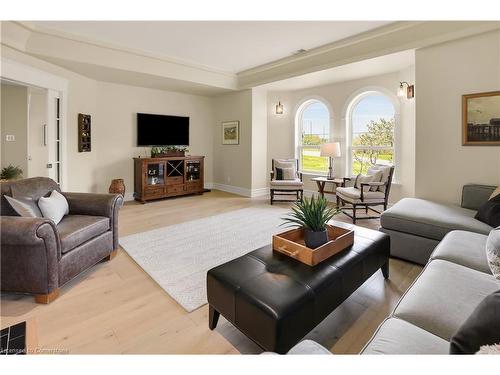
(314, 130)
(372, 133)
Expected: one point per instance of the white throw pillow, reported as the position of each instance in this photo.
(289, 174)
(54, 207)
(377, 177)
(362, 180)
(493, 252)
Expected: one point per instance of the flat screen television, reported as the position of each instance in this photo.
(162, 130)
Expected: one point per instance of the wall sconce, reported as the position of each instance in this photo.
(410, 90)
(279, 109)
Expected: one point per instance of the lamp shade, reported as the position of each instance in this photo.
(330, 150)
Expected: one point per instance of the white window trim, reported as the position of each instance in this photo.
(351, 103)
(299, 109)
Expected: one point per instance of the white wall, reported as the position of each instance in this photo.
(260, 172)
(37, 151)
(14, 119)
(233, 163)
(337, 96)
(113, 109)
(444, 73)
(114, 129)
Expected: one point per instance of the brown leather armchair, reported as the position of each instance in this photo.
(37, 256)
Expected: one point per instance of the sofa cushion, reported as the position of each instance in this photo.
(430, 219)
(464, 248)
(395, 336)
(444, 296)
(308, 347)
(287, 184)
(352, 194)
(24, 206)
(482, 327)
(74, 230)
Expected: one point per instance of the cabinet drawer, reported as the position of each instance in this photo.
(150, 191)
(175, 180)
(194, 186)
(173, 189)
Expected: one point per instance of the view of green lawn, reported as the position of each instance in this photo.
(312, 162)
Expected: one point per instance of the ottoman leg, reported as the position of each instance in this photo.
(213, 317)
(385, 270)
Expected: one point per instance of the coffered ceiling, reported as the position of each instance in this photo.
(221, 45)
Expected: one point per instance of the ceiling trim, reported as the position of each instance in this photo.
(384, 40)
(31, 27)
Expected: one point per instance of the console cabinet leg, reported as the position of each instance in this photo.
(213, 317)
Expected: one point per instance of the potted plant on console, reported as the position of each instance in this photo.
(161, 151)
(312, 215)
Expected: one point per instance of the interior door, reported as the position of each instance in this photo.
(38, 156)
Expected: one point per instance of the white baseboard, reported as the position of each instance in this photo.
(262, 192)
(208, 185)
(251, 193)
(233, 189)
(129, 196)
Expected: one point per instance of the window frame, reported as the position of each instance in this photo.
(298, 146)
(352, 102)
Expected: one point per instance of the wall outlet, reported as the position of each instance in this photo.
(228, 179)
(10, 138)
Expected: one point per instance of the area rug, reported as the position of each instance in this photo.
(178, 257)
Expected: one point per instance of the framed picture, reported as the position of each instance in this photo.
(481, 119)
(231, 133)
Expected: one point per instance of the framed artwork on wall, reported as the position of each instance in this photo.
(481, 119)
(231, 133)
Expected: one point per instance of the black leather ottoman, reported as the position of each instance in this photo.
(276, 300)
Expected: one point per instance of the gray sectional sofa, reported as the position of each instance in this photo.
(454, 281)
(416, 226)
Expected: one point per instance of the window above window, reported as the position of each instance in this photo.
(313, 129)
(371, 132)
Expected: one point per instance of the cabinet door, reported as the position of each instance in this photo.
(155, 174)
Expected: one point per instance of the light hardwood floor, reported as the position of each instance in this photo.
(117, 308)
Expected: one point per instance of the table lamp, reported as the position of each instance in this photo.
(330, 150)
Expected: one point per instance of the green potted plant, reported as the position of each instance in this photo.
(312, 215)
(11, 173)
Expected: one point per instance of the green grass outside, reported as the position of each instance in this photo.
(320, 164)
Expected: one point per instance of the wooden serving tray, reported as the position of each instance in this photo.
(292, 243)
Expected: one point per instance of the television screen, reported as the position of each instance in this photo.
(161, 130)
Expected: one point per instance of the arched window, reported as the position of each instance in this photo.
(313, 129)
(371, 123)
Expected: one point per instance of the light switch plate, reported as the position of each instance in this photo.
(10, 138)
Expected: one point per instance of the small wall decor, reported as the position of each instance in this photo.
(84, 140)
(481, 119)
(231, 133)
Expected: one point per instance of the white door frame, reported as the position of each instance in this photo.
(27, 75)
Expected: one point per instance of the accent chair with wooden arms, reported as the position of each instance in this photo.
(367, 194)
(286, 187)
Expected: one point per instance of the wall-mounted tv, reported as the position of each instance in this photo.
(162, 130)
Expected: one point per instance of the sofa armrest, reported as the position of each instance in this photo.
(474, 195)
(30, 252)
(106, 205)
